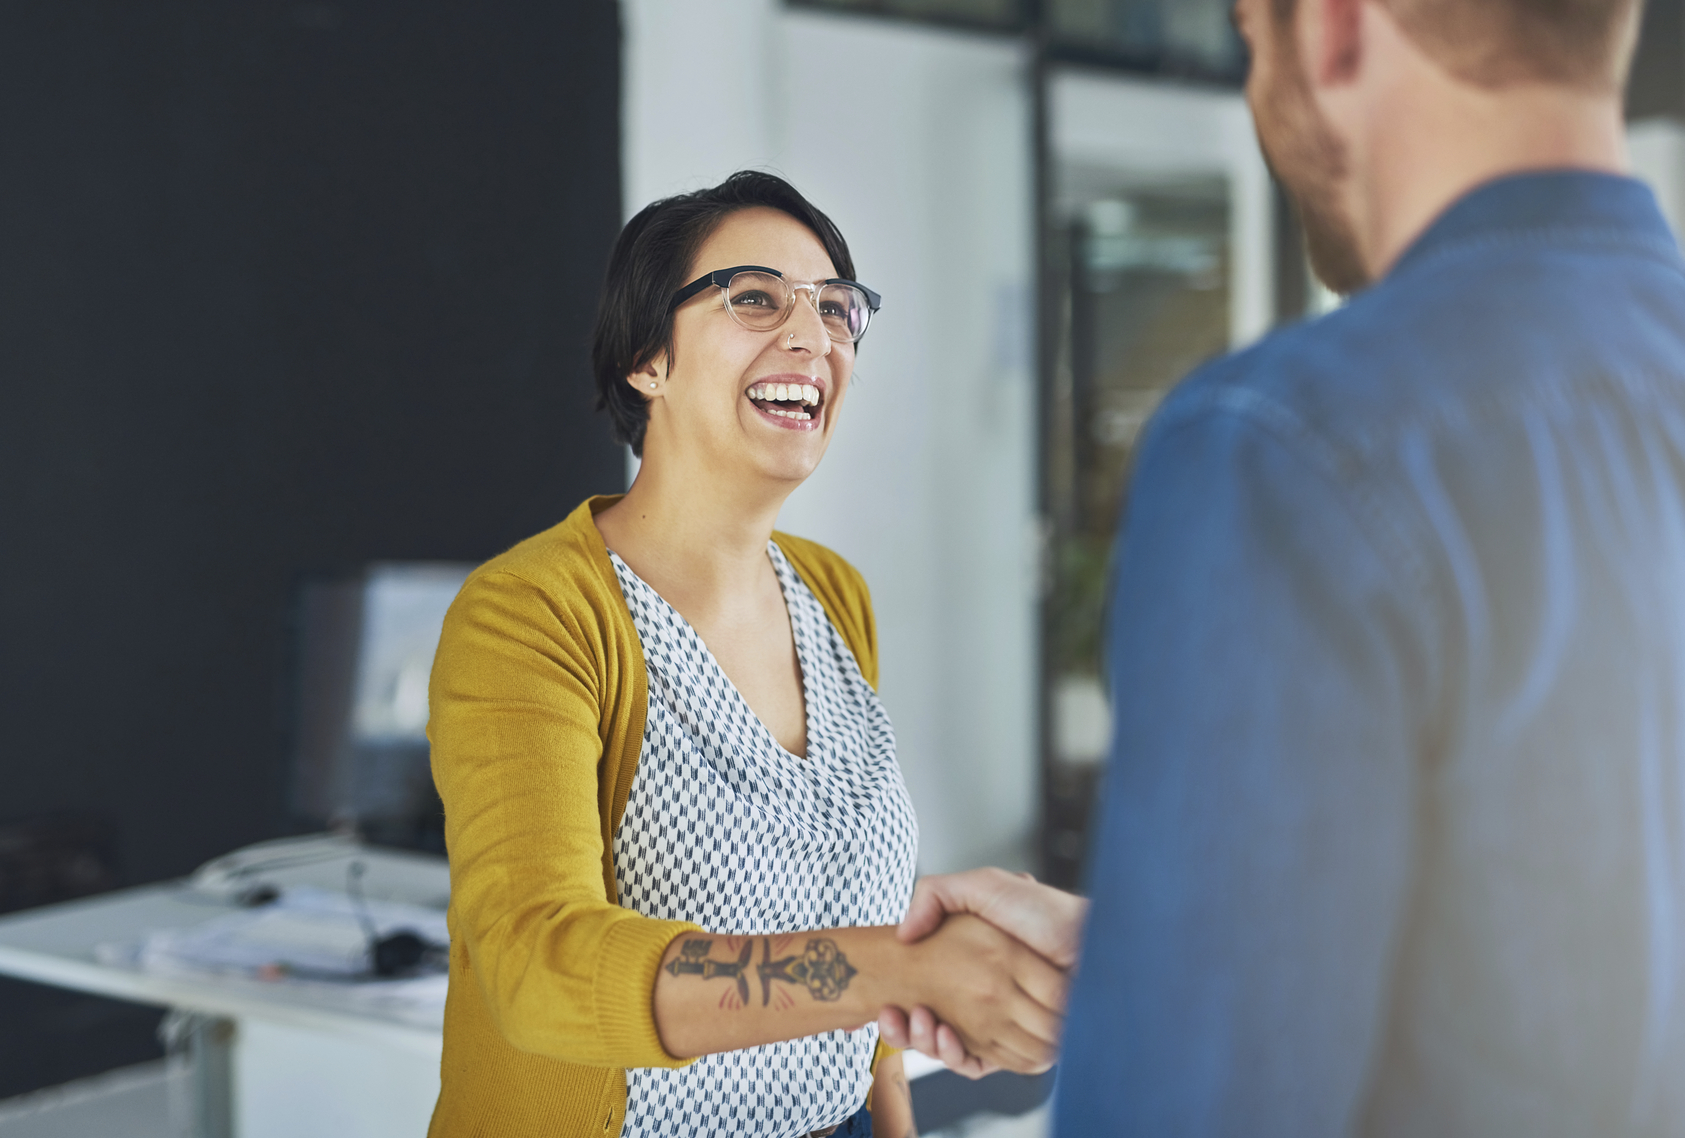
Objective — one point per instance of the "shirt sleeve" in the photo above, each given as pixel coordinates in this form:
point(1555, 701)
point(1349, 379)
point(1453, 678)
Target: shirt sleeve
point(514, 726)
point(1253, 851)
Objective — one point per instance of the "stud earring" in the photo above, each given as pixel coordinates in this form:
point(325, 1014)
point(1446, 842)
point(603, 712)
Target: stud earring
point(652, 384)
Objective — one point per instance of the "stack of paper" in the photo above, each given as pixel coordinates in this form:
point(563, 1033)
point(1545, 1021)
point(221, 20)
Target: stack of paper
point(310, 941)
point(308, 933)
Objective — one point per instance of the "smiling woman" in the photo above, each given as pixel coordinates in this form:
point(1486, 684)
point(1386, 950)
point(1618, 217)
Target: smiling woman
point(679, 836)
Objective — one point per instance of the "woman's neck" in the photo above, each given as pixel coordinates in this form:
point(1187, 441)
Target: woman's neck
point(698, 541)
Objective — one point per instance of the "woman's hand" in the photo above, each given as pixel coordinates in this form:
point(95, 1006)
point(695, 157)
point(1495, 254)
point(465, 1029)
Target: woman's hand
point(1004, 1001)
point(1048, 920)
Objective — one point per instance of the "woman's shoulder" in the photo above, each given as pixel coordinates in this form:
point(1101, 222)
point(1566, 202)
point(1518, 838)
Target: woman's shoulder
point(565, 567)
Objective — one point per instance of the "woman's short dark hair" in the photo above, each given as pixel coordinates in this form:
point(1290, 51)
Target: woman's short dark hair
point(651, 261)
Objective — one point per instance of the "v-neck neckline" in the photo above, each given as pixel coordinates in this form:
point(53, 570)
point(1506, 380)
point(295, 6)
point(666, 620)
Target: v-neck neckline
point(780, 567)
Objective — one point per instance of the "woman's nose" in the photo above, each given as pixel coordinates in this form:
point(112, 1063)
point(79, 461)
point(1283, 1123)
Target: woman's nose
point(805, 330)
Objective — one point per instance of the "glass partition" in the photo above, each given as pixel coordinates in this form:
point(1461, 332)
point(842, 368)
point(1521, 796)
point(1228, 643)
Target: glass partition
point(1183, 37)
point(1145, 297)
point(1004, 14)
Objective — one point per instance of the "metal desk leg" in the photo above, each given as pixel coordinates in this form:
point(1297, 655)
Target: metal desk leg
point(199, 1051)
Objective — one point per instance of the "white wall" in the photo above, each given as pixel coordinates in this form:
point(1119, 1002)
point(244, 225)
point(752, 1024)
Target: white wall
point(929, 485)
point(1656, 148)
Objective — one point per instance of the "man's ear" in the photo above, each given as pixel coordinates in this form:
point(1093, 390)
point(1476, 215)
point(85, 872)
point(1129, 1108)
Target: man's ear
point(1332, 39)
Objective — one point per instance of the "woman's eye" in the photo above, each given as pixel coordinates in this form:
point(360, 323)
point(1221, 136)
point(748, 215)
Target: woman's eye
point(755, 299)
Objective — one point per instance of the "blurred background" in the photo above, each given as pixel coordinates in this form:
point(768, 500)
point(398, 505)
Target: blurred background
point(294, 300)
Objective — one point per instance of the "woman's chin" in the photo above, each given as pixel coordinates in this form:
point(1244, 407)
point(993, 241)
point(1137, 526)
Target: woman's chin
point(791, 462)
point(785, 455)
point(791, 471)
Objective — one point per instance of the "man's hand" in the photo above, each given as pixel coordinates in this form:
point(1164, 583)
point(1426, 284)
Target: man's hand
point(1045, 919)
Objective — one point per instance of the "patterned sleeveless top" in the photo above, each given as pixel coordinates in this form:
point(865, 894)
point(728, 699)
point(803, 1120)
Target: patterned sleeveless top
point(727, 829)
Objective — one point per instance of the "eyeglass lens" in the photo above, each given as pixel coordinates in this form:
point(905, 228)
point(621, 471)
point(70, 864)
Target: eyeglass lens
point(762, 301)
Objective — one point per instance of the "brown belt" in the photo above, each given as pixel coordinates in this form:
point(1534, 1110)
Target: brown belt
point(825, 1133)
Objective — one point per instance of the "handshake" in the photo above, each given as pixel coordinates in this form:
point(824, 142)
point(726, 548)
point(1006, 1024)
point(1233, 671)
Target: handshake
point(1021, 939)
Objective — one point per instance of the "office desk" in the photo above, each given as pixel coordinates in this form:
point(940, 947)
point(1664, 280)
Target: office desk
point(299, 1063)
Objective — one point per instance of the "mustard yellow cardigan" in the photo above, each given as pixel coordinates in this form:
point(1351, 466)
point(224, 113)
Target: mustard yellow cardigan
point(538, 698)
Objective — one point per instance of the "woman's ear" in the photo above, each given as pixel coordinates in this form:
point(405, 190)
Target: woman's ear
point(648, 380)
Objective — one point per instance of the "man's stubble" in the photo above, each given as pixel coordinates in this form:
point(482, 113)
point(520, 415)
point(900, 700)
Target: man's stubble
point(1309, 161)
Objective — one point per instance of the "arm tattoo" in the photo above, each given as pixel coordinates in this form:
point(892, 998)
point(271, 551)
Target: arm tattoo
point(693, 961)
point(822, 969)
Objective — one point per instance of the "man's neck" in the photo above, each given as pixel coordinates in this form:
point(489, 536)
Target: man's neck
point(1429, 139)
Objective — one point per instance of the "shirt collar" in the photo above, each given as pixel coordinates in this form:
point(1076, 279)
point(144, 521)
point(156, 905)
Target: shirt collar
point(1618, 210)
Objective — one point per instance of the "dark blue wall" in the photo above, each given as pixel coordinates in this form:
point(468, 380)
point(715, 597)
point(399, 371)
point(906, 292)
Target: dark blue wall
point(284, 288)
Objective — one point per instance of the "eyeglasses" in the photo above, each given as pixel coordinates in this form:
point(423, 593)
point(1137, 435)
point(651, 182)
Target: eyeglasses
point(760, 298)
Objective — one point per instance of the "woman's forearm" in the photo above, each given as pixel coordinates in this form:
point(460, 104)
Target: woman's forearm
point(720, 993)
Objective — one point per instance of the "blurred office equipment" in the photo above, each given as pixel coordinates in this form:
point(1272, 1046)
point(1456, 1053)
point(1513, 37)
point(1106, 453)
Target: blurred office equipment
point(365, 652)
point(262, 1058)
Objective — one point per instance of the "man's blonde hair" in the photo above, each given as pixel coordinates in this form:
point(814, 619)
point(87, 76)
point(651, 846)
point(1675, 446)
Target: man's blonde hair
point(1586, 44)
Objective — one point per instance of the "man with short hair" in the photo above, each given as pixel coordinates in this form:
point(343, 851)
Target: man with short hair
point(1393, 833)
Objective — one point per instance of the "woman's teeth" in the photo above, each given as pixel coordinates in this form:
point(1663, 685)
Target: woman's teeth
point(799, 394)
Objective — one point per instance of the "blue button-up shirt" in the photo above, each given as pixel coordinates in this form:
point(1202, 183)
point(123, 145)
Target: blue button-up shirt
point(1393, 834)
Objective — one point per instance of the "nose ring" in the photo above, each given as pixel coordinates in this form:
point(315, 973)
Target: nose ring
point(790, 342)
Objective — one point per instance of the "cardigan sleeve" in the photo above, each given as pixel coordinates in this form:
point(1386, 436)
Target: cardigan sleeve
point(517, 738)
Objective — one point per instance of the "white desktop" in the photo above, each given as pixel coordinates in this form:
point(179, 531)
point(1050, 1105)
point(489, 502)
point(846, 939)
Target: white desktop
point(302, 1058)
point(285, 1057)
